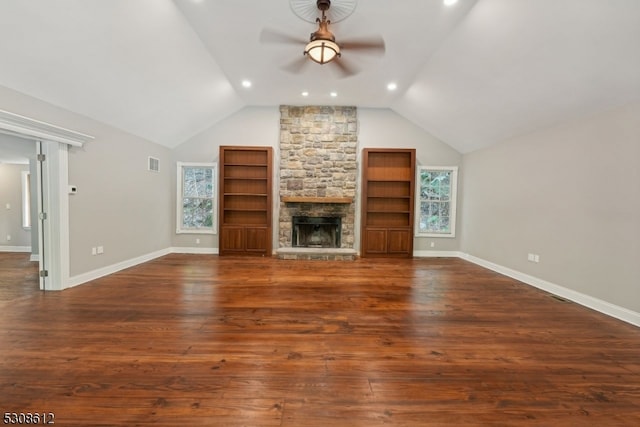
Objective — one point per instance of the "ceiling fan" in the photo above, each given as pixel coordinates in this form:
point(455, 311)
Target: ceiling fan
point(322, 47)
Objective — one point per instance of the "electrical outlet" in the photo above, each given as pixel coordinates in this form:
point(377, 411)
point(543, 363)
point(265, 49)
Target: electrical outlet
point(8, 205)
point(530, 257)
point(197, 241)
point(536, 258)
point(94, 251)
point(433, 244)
point(8, 237)
point(100, 250)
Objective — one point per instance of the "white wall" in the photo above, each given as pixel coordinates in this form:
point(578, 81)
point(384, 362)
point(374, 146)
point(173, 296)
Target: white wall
point(571, 194)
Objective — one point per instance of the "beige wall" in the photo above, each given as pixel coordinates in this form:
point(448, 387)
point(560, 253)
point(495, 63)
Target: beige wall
point(249, 126)
point(381, 128)
point(261, 126)
point(11, 219)
point(571, 194)
point(15, 150)
point(119, 205)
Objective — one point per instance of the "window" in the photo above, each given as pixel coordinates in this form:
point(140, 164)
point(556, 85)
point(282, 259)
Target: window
point(196, 201)
point(436, 201)
point(26, 200)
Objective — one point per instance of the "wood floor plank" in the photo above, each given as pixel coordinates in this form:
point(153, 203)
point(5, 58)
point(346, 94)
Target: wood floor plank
point(203, 340)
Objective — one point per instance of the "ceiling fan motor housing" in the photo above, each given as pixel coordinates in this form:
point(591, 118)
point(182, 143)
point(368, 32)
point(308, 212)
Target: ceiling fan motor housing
point(323, 4)
point(323, 33)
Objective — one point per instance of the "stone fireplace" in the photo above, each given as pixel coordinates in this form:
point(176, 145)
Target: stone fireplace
point(318, 173)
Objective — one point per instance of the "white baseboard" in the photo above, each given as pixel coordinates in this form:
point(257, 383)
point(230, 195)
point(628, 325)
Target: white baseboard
point(110, 269)
point(437, 254)
point(194, 250)
point(15, 248)
point(599, 305)
point(114, 268)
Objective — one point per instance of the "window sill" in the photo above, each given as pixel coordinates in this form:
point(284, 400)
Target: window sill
point(201, 231)
point(435, 235)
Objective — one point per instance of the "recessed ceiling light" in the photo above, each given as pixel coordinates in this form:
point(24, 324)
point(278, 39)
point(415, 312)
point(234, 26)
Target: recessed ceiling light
point(246, 83)
point(305, 93)
point(450, 2)
point(392, 86)
point(334, 94)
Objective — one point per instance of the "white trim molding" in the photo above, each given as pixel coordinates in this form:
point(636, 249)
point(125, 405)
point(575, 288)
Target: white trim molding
point(437, 254)
point(56, 206)
point(593, 303)
point(15, 248)
point(195, 250)
point(114, 268)
point(17, 125)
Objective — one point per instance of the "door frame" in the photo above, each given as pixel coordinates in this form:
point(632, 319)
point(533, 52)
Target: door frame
point(54, 233)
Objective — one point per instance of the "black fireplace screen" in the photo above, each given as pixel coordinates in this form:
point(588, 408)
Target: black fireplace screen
point(316, 232)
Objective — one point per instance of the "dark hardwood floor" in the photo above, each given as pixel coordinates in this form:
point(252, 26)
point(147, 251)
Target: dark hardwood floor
point(18, 276)
point(204, 340)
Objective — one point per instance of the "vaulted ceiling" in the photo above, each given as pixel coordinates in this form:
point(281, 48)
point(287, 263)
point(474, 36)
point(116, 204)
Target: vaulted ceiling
point(472, 74)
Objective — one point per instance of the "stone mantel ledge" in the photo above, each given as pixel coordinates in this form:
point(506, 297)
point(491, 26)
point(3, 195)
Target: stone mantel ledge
point(302, 199)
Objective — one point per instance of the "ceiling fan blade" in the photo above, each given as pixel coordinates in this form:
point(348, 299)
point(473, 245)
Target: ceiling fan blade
point(373, 45)
point(272, 36)
point(296, 66)
point(345, 68)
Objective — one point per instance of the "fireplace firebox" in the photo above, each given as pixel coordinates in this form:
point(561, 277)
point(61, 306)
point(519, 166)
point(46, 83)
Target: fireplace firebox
point(316, 232)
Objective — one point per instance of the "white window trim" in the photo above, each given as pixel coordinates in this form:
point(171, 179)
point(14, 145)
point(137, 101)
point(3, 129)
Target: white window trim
point(453, 201)
point(214, 226)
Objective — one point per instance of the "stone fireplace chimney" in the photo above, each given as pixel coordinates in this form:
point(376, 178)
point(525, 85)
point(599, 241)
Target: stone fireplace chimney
point(318, 170)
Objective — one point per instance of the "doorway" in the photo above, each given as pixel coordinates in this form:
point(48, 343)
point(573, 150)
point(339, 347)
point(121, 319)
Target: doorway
point(53, 199)
point(20, 249)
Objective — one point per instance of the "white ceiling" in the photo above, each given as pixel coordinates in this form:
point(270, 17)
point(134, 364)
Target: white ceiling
point(472, 74)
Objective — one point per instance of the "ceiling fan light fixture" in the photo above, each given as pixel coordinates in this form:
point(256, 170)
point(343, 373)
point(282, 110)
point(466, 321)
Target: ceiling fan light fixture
point(322, 51)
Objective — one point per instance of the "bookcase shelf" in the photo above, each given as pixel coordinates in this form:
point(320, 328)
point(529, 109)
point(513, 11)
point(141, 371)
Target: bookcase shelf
point(245, 200)
point(388, 180)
